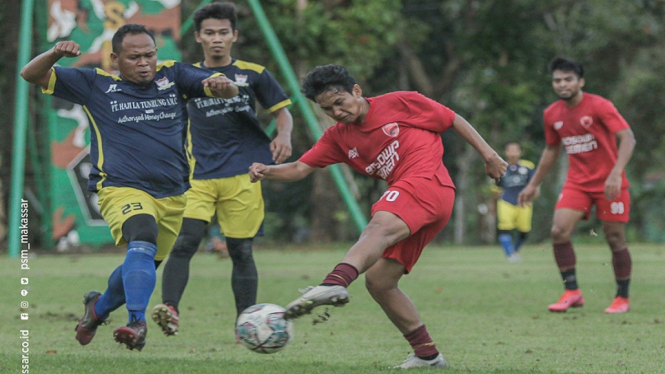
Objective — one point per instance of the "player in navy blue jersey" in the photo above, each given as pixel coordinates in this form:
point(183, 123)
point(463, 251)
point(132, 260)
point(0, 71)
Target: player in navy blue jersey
point(510, 215)
point(140, 172)
point(225, 139)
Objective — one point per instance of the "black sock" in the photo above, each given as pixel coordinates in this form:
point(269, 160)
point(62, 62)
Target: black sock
point(569, 279)
point(430, 357)
point(622, 287)
point(244, 278)
point(176, 269)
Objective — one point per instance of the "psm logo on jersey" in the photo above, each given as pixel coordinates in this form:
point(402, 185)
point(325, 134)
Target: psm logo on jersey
point(241, 78)
point(558, 125)
point(353, 153)
point(391, 129)
point(113, 88)
point(586, 121)
point(163, 83)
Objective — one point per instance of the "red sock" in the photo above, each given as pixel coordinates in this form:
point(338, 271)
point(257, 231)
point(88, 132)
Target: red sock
point(564, 254)
point(421, 342)
point(622, 263)
point(342, 275)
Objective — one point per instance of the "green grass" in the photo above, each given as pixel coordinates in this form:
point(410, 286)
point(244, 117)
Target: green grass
point(485, 314)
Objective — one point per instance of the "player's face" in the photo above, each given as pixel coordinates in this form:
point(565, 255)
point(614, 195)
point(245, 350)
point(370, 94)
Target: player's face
point(342, 106)
point(137, 59)
point(513, 153)
point(216, 37)
point(566, 84)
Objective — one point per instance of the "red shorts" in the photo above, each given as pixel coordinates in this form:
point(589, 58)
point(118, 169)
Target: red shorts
point(617, 210)
point(425, 205)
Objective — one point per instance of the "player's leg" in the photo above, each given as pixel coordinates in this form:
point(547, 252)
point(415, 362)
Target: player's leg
point(614, 214)
point(505, 213)
point(564, 222)
point(382, 231)
point(176, 269)
point(523, 225)
point(381, 281)
point(200, 207)
point(240, 211)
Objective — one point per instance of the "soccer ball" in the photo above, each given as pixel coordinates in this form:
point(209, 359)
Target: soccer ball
point(262, 328)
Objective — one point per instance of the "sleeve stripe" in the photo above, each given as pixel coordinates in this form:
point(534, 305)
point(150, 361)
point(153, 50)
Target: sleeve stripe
point(51, 83)
point(280, 105)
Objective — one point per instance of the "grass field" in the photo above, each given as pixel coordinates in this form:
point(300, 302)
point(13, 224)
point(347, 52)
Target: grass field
point(485, 314)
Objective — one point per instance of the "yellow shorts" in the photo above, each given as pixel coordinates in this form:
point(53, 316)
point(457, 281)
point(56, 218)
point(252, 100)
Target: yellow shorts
point(237, 202)
point(117, 204)
point(513, 216)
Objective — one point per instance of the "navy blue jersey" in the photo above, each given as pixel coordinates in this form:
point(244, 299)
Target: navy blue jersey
point(517, 176)
point(137, 133)
point(226, 137)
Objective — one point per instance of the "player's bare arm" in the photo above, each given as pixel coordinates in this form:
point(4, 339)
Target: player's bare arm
point(290, 172)
point(532, 190)
point(495, 166)
point(626, 147)
point(38, 70)
point(221, 86)
point(281, 146)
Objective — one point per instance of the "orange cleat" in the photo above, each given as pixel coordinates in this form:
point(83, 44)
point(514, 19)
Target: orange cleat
point(619, 305)
point(570, 298)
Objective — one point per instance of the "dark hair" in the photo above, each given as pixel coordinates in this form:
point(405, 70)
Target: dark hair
point(327, 78)
point(225, 10)
point(128, 29)
point(567, 64)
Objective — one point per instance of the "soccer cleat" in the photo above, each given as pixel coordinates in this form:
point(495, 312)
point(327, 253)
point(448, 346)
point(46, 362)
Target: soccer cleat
point(167, 318)
point(570, 298)
point(619, 305)
point(316, 296)
point(515, 257)
point(413, 361)
point(87, 326)
point(133, 335)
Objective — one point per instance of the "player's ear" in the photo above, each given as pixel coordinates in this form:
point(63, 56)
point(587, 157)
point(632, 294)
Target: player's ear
point(197, 36)
point(582, 81)
point(114, 59)
point(357, 92)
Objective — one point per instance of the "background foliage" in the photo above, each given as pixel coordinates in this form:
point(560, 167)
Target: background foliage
point(487, 60)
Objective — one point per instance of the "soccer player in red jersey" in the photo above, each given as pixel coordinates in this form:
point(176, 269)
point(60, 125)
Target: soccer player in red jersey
point(587, 125)
point(394, 137)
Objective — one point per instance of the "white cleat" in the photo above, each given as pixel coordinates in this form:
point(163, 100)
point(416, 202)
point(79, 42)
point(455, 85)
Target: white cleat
point(413, 361)
point(314, 296)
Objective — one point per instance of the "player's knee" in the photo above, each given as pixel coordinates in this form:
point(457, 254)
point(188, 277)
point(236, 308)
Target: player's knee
point(142, 227)
point(559, 234)
point(378, 287)
point(188, 241)
point(240, 249)
point(615, 240)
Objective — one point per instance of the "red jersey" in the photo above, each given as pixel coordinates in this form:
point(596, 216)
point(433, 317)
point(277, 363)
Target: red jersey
point(398, 139)
point(587, 133)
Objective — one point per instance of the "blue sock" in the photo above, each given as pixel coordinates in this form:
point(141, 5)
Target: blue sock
point(113, 297)
point(139, 277)
point(506, 241)
point(518, 243)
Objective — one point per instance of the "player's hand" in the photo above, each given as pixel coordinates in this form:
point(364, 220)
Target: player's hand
point(67, 48)
point(257, 171)
point(613, 186)
point(221, 86)
point(495, 167)
point(527, 195)
point(281, 148)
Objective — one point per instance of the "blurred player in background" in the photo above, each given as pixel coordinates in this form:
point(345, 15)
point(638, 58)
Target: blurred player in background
point(139, 164)
point(394, 137)
point(225, 138)
point(510, 215)
point(588, 126)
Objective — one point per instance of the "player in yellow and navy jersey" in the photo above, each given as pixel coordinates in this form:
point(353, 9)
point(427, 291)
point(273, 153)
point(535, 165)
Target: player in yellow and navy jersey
point(225, 139)
point(510, 215)
point(140, 171)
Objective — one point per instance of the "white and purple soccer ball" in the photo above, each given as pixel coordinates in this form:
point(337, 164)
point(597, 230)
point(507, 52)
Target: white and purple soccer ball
point(262, 328)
